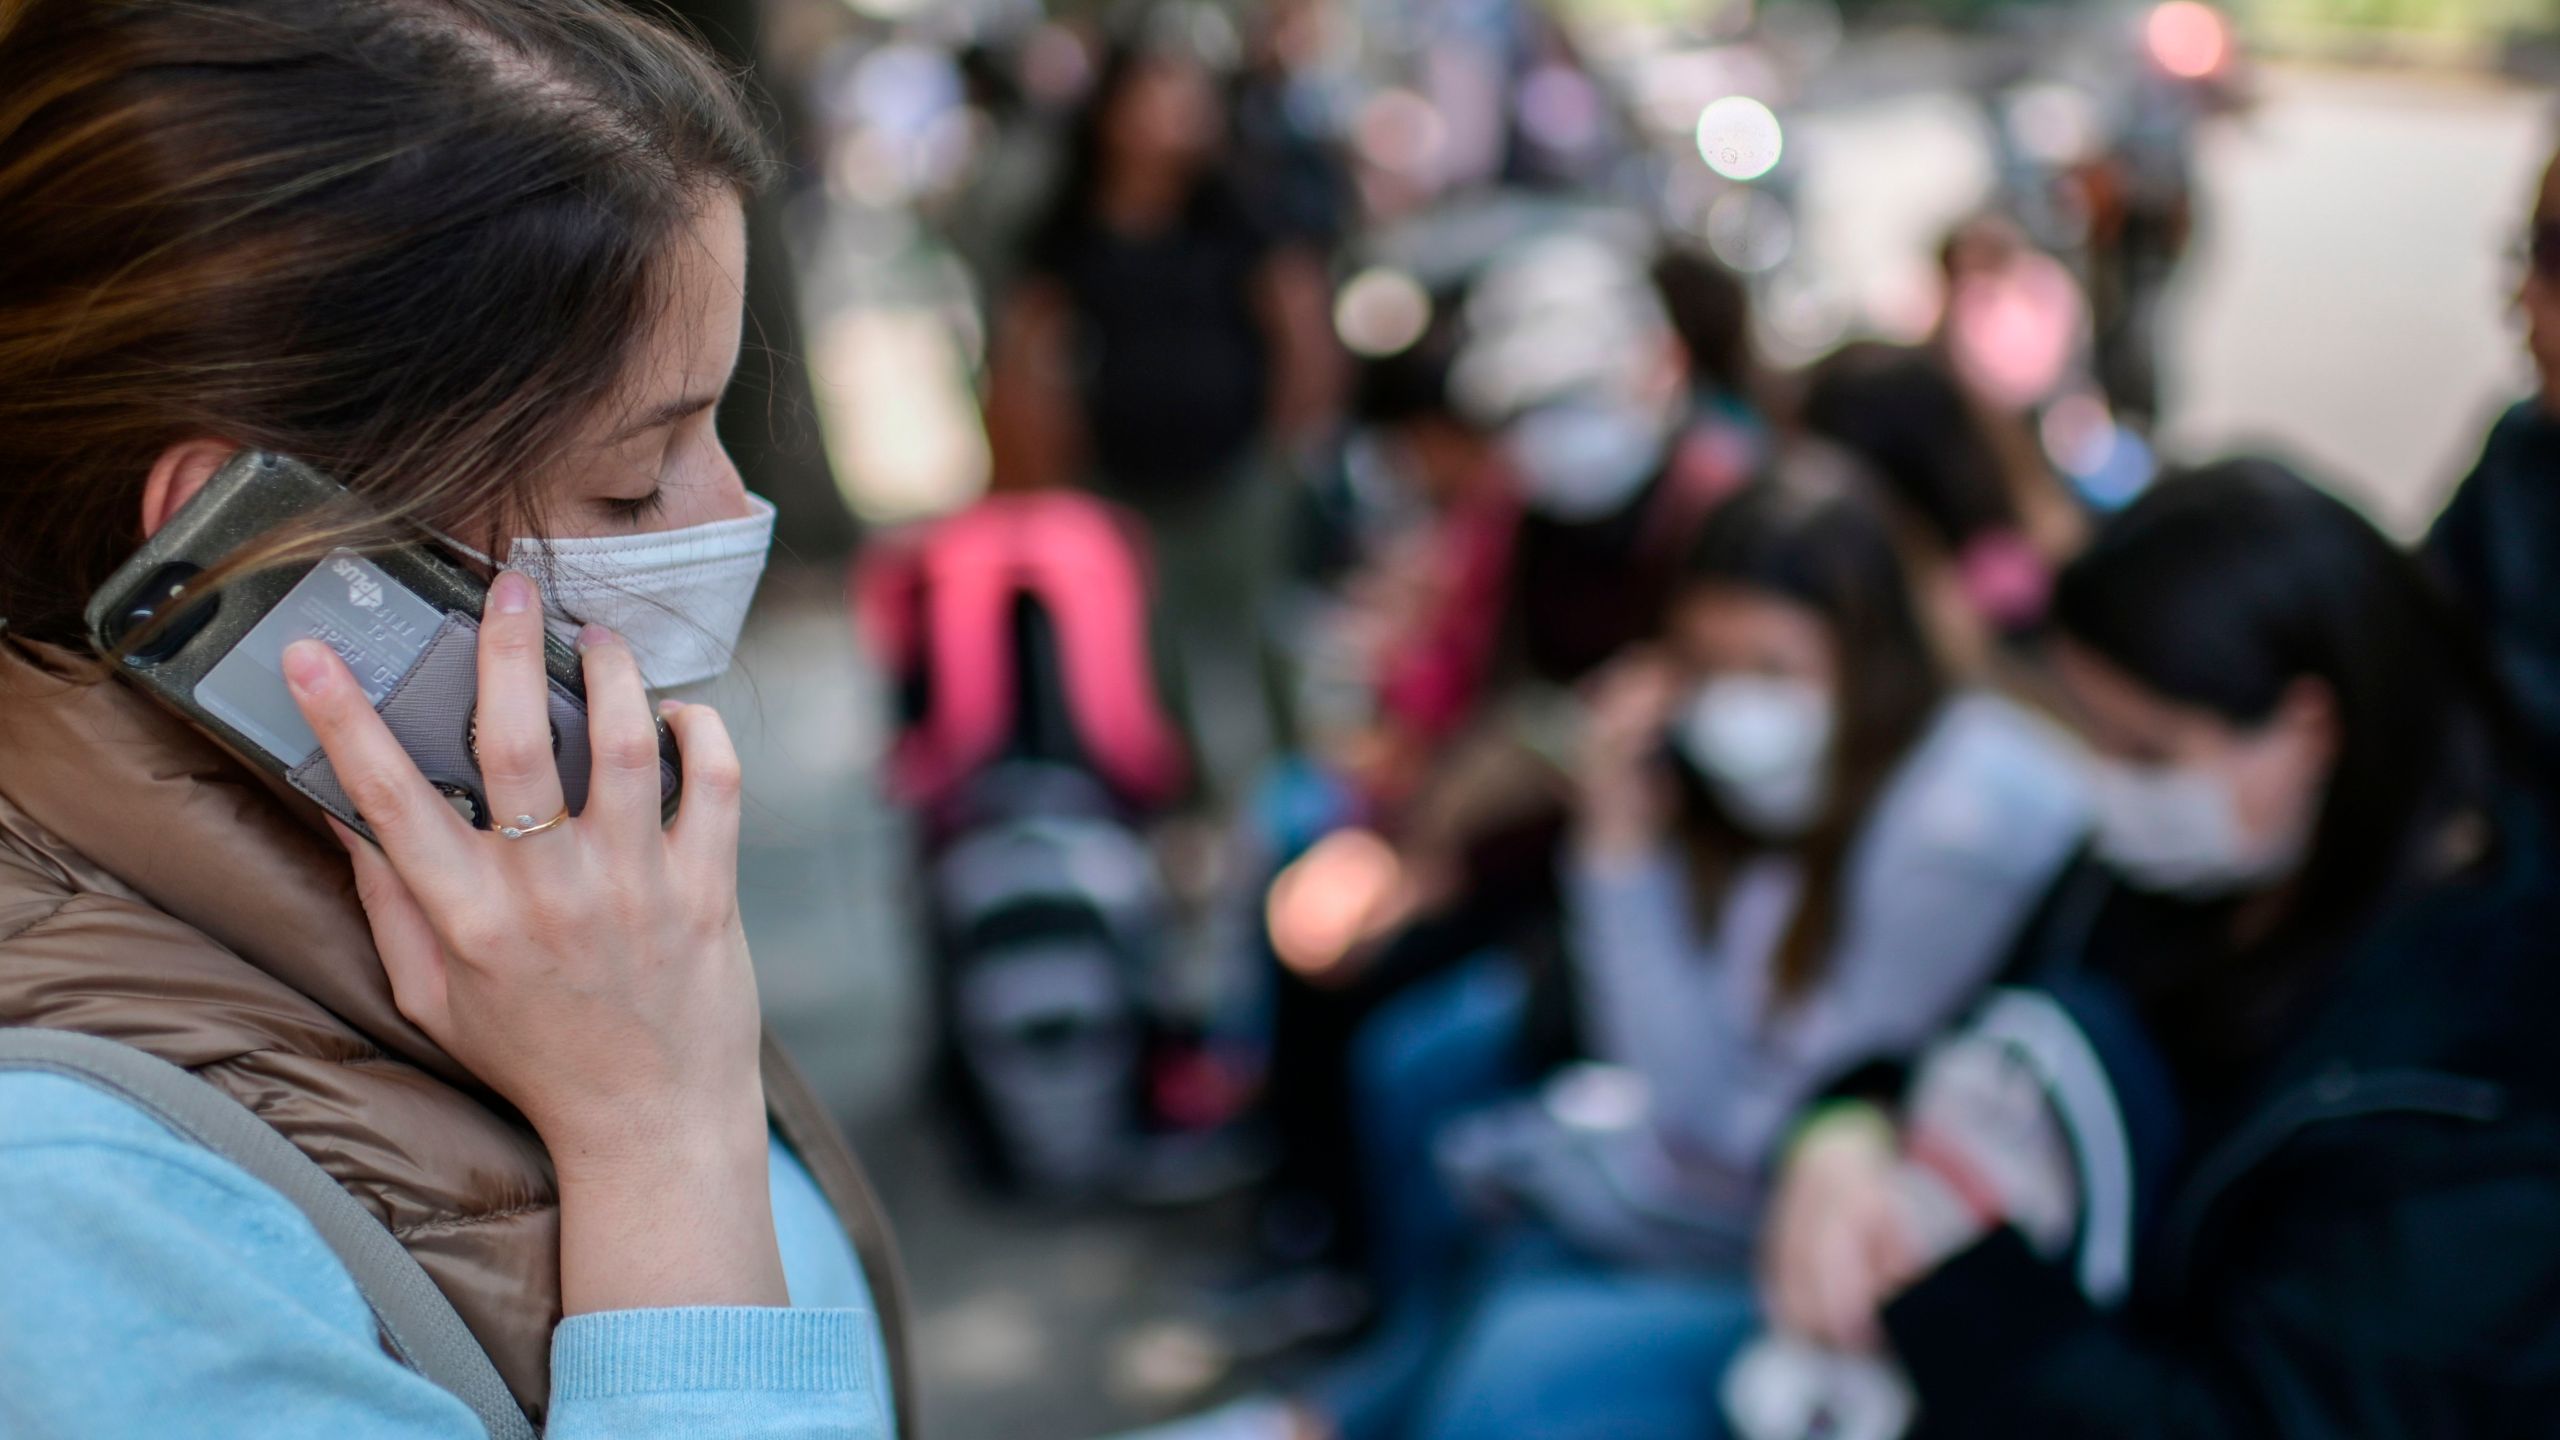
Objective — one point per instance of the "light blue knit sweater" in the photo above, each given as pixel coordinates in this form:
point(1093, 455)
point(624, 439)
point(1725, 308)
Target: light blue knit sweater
point(150, 1290)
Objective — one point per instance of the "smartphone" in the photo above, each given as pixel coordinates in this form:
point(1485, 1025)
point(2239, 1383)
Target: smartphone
point(405, 618)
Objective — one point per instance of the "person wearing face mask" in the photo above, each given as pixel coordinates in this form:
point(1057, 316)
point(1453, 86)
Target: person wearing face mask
point(1573, 362)
point(2319, 914)
point(505, 1148)
point(1799, 846)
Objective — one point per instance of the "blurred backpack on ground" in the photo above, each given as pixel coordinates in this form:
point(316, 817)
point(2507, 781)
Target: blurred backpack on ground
point(1033, 743)
point(1018, 629)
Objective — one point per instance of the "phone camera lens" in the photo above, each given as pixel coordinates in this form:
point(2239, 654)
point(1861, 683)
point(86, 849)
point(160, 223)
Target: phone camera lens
point(160, 594)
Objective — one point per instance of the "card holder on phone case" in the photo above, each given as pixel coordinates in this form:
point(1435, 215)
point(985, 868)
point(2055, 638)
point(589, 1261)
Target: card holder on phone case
point(429, 713)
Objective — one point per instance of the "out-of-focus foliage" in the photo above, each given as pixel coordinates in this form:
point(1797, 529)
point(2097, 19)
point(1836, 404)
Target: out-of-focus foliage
point(2485, 18)
point(2476, 19)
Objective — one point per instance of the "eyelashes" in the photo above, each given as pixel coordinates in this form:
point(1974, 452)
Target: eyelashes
point(672, 457)
point(637, 508)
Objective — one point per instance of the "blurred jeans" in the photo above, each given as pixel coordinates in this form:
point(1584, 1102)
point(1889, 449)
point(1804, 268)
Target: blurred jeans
point(1562, 1355)
point(1441, 1049)
point(1507, 1332)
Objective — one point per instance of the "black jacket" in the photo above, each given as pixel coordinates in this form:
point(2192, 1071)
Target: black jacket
point(2364, 1241)
point(2497, 548)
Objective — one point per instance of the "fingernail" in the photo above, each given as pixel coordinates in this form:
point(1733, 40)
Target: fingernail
point(511, 593)
point(590, 636)
point(669, 707)
point(306, 667)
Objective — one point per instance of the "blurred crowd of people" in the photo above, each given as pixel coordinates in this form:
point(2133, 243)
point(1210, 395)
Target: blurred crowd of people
point(1741, 900)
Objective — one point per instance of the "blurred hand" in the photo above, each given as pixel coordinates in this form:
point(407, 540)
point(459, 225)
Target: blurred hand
point(1625, 799)
point(595, 974)
point(1837, 1246)
point(1326, 908)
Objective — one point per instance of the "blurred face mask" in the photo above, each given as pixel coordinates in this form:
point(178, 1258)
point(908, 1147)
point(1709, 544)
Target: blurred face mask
point(1584, 459)
point(2176, 830)
point(678, 598)
point(1764, 745)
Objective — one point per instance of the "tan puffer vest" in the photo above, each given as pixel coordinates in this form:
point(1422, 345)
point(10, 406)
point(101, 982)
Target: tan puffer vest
point(155, 891)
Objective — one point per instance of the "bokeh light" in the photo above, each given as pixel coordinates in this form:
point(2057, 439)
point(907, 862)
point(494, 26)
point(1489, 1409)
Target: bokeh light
point(1740, 138)
point(2190, 39)
point(1402, 132)
point(1380, 312)
point(1560, 110)
point(1749, 231)
point(2054, 123)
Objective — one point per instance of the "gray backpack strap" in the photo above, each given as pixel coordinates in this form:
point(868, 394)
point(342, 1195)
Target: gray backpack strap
point(417, 1321)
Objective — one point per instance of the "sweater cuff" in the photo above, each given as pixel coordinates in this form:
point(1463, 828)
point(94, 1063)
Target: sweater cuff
point(1976, 1322)
point(706, 1348)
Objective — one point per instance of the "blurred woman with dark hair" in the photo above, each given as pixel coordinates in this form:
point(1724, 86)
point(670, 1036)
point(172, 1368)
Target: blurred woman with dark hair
point(2316, 941)
point(1975, 491)
point(1798, 848)
point(482, 263)
point(1791, 818)
point(1168, 349)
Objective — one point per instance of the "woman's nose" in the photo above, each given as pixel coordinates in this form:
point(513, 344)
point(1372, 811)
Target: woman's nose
point(728, 491)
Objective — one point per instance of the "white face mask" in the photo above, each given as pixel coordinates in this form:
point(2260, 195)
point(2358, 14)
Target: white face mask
point(678, 598)
point(2175, 830)
point(1764, 744)
point(1585, 459)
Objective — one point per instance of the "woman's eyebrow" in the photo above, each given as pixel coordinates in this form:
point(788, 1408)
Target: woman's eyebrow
point(667, 414)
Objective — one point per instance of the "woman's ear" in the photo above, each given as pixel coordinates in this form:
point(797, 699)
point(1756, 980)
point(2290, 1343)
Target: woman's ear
point(177, 475)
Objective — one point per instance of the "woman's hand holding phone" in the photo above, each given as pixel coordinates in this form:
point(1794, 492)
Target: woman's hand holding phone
point(595, 972)
point(1625, 798)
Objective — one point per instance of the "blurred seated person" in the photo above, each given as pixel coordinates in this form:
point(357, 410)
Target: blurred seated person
point(1423, 617)
point(2014, 329)
point(2497, 544)
point(1797, 846)
point(1164, 348)
point(1710, 311)
point(1799, 842)
point(1544, 422)
point(2318, 934)
point(1976, 494)
point(2012, 323)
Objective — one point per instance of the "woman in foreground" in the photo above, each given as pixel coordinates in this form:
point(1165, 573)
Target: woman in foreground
point(481, 261)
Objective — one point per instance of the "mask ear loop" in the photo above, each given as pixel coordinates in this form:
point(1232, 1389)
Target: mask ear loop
point(454, 543)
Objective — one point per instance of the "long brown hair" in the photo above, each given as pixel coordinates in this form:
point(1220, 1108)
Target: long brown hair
point(413, 242)
point(1814, 535)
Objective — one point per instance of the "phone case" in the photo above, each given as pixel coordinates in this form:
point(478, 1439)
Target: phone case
point(429, 709)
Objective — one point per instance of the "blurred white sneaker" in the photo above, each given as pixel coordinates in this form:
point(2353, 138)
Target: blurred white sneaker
point(1785, 1388)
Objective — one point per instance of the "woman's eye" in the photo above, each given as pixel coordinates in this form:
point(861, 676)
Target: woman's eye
point(638, 507)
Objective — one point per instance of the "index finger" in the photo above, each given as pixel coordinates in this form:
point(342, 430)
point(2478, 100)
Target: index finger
point(426, 842)
point(1783, 1287)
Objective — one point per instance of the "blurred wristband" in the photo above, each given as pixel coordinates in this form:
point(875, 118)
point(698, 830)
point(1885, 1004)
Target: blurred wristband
point(1984, 1144)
